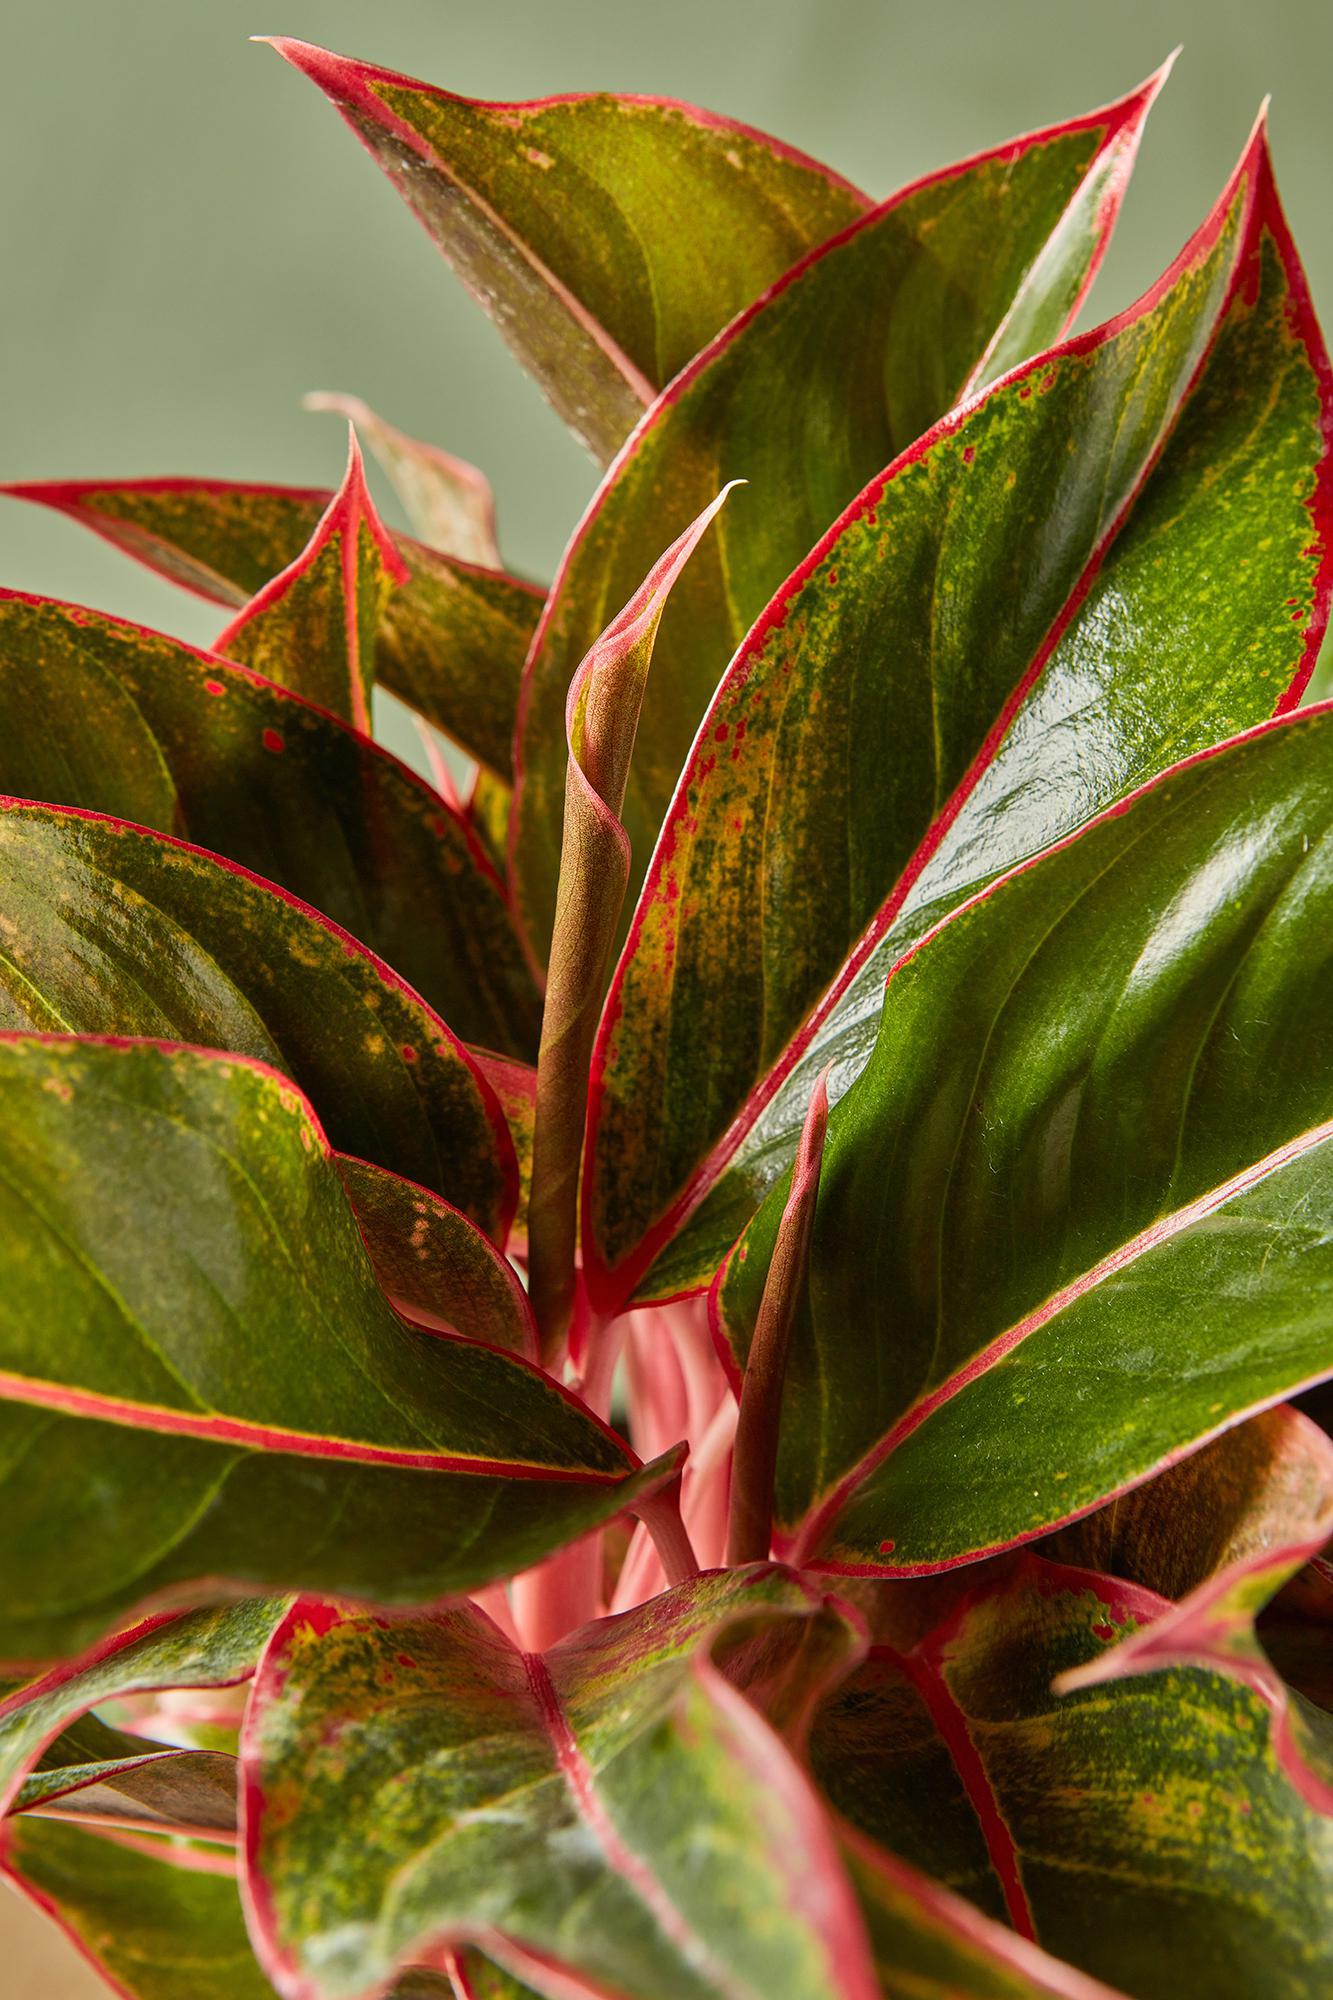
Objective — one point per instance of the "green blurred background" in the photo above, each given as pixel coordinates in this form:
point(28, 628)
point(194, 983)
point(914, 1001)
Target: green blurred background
point(190, 238)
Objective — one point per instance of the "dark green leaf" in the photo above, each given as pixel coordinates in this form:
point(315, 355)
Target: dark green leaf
point(807, 395)
point(241, 766)
point(453, 639)
point(207, 1381)
point(1027, 616)
point(1091, 1216)
point(108, 929)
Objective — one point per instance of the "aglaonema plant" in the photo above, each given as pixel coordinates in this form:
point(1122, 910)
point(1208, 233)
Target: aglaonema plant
point(686, 1369)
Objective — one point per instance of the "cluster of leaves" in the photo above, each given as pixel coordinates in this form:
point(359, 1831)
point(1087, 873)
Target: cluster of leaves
point(405, 1190)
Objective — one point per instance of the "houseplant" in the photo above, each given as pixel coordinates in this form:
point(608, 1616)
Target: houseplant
point(869, 1549)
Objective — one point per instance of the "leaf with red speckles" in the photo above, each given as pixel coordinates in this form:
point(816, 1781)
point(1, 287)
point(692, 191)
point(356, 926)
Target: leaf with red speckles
point(1094, 1221)
point(242, 766)
point(313, 627)
point(158, 1921)
point(1149, 507)
point(448, 502)
point(1143, 1831)
point(630, 1770)
point(203, 1379)
point(807, 395)
point(451, 642)
point(1273, 1482)
point(435, 1264)
point(608, 237)
point(119, 931)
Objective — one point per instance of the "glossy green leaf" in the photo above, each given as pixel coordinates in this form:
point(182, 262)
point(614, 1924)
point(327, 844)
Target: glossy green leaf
point(1144, 1832)
point(197, 1649)
point(1030, 613)
point(313, 627)
point(206, 1380)
point(1092, 1214)
point(434, 1263)
point(241, 766)
point(589, 226)
point(1274, 1479)
point(448, 502)
point(616, 1806)
point(159, 1923)
point(807, 395)
point(108, 929)
point(453, 638)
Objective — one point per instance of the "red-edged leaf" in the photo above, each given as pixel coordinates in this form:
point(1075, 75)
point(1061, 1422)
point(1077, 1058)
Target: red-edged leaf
point(601, 723)
point(101, 1777)
point(204, 1379)
point(449, 502)
point(198, 1649)
point(434, 1262)
point(1143, 1830)
point(1150, 496)
point(157, 1920)
point(1091, 1212)
point(807, 394)
point(313, 627)
point(117, 930)
point(453, 638)
point(589, 226)
point(108, 716)
point(1214, 1628)
point(515, 1086)
point(611, 1772)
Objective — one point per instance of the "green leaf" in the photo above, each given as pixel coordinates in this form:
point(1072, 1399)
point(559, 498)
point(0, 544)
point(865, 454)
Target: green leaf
point(435, 1264)
point(452, 641)
point(107, 1777)
point(208, 1383)
point(1119, 556)
point(616, 1807)
point(241, 766)
point(589, 226)
point(158, 1922)
point(1091, 1213)
point(928, 1942)
point(449, 503)
point(197, 1649)
point(1274, 1478)
point(807, 395)
point(313, 627)
point(108, 929)
point(1144, 1831)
